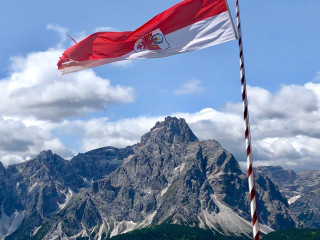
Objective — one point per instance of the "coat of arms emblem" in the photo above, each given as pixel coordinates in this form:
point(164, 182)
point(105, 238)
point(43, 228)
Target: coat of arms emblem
point(154, 40)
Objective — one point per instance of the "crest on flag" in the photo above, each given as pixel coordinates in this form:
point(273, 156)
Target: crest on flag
point(154, 40)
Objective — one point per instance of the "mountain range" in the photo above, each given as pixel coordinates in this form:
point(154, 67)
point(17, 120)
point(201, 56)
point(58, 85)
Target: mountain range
point(301, 189)
point(169, 177)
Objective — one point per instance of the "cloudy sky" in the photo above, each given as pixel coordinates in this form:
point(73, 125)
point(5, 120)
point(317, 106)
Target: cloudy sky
point(115, 104)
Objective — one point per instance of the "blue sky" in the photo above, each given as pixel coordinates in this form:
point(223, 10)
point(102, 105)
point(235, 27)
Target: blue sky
point(114, 104)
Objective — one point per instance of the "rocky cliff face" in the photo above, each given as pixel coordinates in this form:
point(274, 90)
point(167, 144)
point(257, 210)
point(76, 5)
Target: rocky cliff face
point(307, 206)
point(307, 209)
point(169, 177)
point(99, 163)
point(43, 186)
point(34, 191)
point(273, 207)
point(290, 183)
point(301, 190)
point(11, 207)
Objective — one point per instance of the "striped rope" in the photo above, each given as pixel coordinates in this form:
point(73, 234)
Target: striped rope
point(253, 199)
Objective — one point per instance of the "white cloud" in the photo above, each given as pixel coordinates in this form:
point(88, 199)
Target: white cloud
point(34, 88)
point(62, 31)
point(19, 142)
point(35, 101)
point(190, 87)
point(206, 124)
point(282, 133)
point(100, 132)
point(285, 126)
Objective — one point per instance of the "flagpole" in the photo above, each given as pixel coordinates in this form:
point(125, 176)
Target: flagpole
point(253, 199)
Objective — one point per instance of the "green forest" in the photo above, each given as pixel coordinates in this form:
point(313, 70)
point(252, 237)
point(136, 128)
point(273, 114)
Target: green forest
point(177, 232)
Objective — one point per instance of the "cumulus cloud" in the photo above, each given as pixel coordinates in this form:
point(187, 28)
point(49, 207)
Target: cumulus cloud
point(285, 127)
point(282, 134)
point(206, 124)
point(35, 100)
point(100, 132)
point(190, 87)
point(19, 142)
point(35, 88)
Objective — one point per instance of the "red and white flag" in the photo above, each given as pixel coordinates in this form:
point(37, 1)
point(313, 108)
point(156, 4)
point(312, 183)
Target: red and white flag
point(187, 26)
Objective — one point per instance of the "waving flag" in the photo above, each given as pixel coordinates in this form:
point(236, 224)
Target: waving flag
point(187, 26)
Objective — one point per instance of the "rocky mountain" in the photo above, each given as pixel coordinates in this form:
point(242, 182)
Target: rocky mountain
point(307, 209)
point(99, 163)
point(301, 189)
point(291, 184)
point(169, 177)
point(11, 209)
point(284, 179)
point(34, 191)
point(42, 187)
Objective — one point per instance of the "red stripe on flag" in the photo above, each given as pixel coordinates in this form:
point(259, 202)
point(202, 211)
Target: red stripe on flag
point(100, 45)
point(184, 14)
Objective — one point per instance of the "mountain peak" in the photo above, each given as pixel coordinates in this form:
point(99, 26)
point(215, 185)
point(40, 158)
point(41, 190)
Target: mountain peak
point(277, 174)
point(2, 170)
point(171, 130)
point(45, 154)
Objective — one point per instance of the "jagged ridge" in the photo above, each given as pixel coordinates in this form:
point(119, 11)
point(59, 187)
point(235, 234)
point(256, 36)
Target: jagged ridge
point(169, 177)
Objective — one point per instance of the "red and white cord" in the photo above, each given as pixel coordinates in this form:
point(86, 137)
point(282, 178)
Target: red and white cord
point(253, 199)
